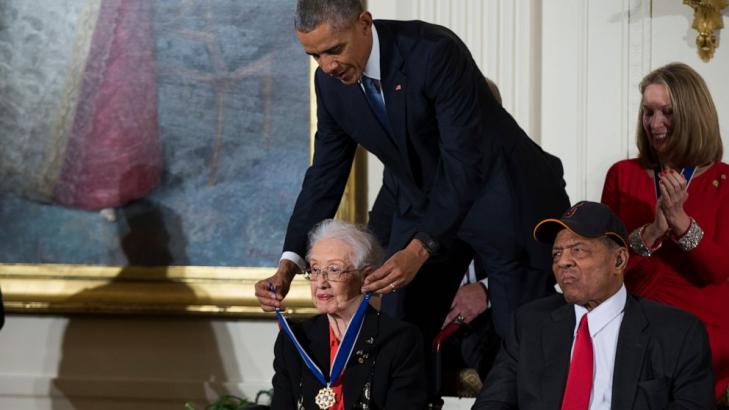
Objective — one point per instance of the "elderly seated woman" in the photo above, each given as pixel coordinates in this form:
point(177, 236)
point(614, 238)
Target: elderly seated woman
point(349, 356)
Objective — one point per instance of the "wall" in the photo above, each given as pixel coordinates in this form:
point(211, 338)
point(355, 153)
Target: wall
point(595, 54)
point(120, 362)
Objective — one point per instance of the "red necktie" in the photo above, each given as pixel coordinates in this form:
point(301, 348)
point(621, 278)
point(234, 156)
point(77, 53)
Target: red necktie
point(579, 380)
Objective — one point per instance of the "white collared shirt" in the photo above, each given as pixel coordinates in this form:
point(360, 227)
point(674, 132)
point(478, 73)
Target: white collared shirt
point(372, 68)
point(604, 323)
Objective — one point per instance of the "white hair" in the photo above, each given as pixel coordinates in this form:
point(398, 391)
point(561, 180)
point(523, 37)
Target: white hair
point(366, 251)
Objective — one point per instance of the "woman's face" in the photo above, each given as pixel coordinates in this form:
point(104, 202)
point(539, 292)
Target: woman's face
point(332, 293)
point(657, 116)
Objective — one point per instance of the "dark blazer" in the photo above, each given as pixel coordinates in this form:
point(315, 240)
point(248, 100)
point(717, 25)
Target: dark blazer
point(448, 130)
point(386, 365)
point(662, 360)
point(448, 136)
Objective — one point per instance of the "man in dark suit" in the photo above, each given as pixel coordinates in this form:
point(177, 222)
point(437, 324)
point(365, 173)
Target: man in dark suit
point(460, 176)
point(626, 353)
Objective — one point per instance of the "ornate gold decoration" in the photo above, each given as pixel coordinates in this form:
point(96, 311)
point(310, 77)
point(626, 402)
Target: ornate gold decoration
point(707, 20)
point(211, 290)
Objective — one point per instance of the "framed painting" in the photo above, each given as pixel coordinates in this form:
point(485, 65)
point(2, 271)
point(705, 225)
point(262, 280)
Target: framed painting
point(151, 155)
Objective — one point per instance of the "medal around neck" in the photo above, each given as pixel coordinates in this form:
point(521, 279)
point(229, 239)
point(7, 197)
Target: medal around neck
point(326, 398)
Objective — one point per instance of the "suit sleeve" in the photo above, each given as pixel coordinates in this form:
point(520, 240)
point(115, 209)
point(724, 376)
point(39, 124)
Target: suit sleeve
point(325, 179)
point(462, 104)
point(284, 397)
point(500, 387)
point(693, 387)
point(407, 384)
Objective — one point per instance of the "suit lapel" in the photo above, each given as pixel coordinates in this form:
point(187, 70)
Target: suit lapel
point(632, 342)
point(394, 87)
point(378, 140)
point(557, 345)
point(361, 362)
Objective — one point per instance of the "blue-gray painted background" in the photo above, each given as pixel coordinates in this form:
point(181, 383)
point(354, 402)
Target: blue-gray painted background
point(232, 114)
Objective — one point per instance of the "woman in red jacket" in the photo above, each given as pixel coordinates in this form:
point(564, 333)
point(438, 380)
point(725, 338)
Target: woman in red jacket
point(674, 199)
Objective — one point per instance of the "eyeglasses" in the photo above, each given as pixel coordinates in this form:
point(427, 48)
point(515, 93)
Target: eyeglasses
point(332, 273)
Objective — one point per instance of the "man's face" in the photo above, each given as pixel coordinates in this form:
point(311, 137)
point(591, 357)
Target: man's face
point(585, 268)
point(341, 53)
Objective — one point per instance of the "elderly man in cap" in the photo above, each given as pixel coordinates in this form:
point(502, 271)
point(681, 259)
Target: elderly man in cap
point(594, 346)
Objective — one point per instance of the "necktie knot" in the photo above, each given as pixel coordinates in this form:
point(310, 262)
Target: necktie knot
point(371, 82)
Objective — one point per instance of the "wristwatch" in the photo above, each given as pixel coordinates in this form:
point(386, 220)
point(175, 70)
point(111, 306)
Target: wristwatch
point(430, 244)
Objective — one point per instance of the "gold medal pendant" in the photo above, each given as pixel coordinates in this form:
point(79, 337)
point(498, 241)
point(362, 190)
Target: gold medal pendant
point(325, 398)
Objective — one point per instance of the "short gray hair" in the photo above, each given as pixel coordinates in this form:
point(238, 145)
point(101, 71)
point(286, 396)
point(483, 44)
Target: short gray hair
point(366, 251)
point(338, 13)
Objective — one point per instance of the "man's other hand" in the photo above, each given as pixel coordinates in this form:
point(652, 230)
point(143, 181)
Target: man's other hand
point(397, 271)
point(471, 300)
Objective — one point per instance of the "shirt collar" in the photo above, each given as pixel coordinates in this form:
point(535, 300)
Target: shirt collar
point(605, 312)
point(372, 68)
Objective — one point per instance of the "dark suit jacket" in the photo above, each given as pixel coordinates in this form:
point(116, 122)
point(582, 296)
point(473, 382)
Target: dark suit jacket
point(662, 360)
point(448, 130)
point(386, 365)
point(448, 134)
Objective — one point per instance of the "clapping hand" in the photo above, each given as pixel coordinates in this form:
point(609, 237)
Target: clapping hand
point(674, 194)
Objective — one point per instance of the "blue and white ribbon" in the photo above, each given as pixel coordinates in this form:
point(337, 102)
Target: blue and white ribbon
point(346, 347)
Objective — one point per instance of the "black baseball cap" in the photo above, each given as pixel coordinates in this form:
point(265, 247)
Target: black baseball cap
point(585, 218)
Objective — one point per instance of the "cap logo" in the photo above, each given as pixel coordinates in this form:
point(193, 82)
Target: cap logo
point(572, 210)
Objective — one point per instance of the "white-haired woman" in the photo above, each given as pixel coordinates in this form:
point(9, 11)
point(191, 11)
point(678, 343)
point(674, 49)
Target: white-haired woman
point(350, 356)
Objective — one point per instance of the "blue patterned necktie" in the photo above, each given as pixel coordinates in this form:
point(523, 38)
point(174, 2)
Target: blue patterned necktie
point(377, 102)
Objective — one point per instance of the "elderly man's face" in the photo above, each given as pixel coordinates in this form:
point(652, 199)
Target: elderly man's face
point(330, 295)
point(585, 268)
point(341, 53)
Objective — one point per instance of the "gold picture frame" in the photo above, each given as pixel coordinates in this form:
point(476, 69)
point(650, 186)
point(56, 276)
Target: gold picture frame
point(193, 290)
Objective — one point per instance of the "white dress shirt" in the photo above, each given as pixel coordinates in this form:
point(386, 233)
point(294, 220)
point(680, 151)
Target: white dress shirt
point(604, 323)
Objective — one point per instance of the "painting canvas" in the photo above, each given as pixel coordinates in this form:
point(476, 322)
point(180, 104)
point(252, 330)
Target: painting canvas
point(178, 116)
point(149, 133)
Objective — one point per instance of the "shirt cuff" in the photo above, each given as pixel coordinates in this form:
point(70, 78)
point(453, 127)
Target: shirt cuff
point(295, 258)
point(485, 283)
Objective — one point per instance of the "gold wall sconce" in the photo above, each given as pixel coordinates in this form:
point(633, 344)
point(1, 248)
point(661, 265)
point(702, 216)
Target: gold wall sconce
point(707, 21)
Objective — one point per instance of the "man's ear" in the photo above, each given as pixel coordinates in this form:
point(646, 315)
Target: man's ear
point(621, 258)
point(365, 20)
